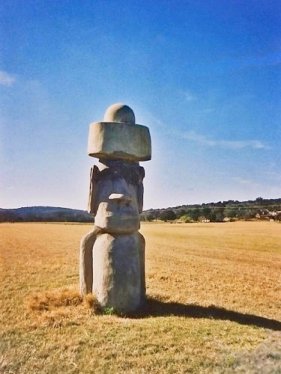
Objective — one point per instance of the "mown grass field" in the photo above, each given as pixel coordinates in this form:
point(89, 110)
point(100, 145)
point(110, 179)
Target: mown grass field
point(214, 302)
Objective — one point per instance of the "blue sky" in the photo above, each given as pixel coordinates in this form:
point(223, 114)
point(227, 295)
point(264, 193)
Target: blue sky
point(205, 76)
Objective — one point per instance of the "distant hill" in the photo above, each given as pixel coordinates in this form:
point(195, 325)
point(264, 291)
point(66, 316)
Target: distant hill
point(44, 214)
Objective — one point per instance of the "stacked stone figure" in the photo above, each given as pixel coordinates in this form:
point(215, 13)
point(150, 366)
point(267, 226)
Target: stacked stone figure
point(112, 255)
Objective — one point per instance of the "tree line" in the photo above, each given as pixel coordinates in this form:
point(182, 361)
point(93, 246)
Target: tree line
point(219, 212)
point(214, 212)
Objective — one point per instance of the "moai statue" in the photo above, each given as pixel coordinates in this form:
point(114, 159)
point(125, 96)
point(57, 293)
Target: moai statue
point(112, 263)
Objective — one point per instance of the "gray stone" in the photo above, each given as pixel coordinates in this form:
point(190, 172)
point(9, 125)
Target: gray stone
point(112, 256)
point(114, 140)
point(118, 137)
point(86, 261)
point(119, 113)
point(118, 278)
point(118, 185)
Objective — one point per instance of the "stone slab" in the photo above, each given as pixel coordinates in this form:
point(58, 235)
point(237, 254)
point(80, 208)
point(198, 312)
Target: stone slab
point(113, 140)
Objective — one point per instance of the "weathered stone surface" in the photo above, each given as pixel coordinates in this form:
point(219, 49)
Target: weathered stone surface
point(142, 266)
point(118, 278)
point(117, 211)
point(116, 185)
point(86, 261)
point(112, 256)
point(119, 113)
point(114, 140)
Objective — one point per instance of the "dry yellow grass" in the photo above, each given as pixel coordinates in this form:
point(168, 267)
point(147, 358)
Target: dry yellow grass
point(53, 300)
point(214, 302)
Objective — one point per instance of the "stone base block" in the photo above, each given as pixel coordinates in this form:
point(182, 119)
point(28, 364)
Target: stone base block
point(118, 272)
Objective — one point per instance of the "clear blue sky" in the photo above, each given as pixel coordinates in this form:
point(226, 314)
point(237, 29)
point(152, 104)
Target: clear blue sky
point(205, 76)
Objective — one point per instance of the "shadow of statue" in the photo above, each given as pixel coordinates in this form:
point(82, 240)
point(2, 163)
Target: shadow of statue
point(156, 308)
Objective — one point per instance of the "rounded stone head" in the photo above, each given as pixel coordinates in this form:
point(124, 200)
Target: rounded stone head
point(119, 113)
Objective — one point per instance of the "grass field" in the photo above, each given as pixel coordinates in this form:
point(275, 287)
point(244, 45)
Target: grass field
point(214, 302)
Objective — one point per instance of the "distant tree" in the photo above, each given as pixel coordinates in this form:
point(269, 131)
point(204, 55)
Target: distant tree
point(147, 216)
point(230, 212)
point(206, 212)
point(185, 218)
point(240, 213)
point(167, 215)
point(250, 213)
point(194, 214)
point(150, 217)
point(180, 213)
point(259, 200)
point(217, 215)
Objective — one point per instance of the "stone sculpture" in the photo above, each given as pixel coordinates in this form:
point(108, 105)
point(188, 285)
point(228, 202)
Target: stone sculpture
point(112, 255)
